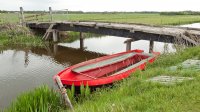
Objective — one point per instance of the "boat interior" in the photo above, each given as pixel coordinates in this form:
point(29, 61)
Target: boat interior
point(110, 66)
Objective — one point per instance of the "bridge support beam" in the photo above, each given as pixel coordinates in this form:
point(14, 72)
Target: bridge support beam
point(55, 49)
point(81, 41)
point(128, 44)
point(151, 45)
point(55, 35)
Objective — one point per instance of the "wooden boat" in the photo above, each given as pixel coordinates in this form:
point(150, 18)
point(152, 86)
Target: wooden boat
point(107, 69)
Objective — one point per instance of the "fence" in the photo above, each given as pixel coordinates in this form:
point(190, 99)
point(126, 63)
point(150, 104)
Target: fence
point(44, 16)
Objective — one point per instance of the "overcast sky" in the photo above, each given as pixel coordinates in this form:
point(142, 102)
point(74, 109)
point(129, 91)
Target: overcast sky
point(102, 5)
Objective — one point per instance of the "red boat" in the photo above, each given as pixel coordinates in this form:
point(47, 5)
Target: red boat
point(106, 69)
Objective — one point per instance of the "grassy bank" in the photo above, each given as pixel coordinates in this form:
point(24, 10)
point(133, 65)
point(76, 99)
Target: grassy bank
point(132, 94)
point(41, 99)
point(73, 36)
point(142, 18)
point(11, 34)
point(137, 94)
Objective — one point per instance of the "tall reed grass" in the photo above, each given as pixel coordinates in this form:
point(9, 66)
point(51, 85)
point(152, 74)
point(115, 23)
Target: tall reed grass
point(12, 34)
point(41, 99)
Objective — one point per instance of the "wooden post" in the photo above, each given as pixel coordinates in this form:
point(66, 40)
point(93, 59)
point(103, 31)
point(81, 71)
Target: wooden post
point(22, 21)
point(55, 49)
point(50, 13)
point(26, 58)
point(128, 44)
point(55, 36)
point(81, 41)
point(64, 94)
point(36, 17)
point(19, 16)
point(151, 45)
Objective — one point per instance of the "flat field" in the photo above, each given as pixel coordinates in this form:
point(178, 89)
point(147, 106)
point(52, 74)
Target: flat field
point(142, 18)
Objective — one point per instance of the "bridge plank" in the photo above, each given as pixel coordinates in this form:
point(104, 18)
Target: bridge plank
point(49, 30)
point(145, 32)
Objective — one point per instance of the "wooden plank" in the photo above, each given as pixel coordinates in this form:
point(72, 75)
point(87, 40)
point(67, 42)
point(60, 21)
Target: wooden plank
point(32, 16)
point(55, 36)
point(64, 93)
point(155, 33)
point(189, 40)
point(151, 45)
point(132, 28)
point(49, 30)
point(103, 63)
point(89, 24)
point(129, 40)
point(81, 41)
point(34, 19)
point(128, 43)
point(87, 75)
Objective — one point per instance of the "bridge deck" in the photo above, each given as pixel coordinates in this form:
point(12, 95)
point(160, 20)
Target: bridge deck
point(137, 31)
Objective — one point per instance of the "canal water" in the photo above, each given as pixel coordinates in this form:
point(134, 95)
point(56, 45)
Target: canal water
point(112, 44)
point(24, 68)
point(194, 25)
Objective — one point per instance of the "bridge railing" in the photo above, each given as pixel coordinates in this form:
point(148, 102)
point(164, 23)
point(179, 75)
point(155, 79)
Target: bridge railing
point(35, 17)
point(39, 17)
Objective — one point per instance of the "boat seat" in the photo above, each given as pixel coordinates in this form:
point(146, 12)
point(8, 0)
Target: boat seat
point(103, 63)
point(131, 67)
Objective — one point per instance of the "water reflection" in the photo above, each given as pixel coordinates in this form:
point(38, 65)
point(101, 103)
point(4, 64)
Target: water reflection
point(23, 69)
point(194, 25)
point(112, 44)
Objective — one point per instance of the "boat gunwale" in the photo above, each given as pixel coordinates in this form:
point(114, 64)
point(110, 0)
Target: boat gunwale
point(136, 64)
point(104, 65)
point(110, 78)
point(150, 55)
point(104, 58)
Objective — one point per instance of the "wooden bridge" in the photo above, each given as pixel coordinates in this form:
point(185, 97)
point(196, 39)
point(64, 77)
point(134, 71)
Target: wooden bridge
point(188, 36)
point(167, 34)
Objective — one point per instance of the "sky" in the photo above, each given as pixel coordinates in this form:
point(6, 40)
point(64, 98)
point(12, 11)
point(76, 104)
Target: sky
point(102, 5)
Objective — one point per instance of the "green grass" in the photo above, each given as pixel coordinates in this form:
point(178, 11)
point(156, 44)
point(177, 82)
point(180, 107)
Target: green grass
point(142, 18)
point(73, 36)
point(41, 99)
point(154, 19)
point(136, 94)
point(9, 18)
point(11, 34)
point(132, 94)
point(5, 40)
